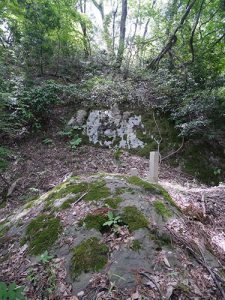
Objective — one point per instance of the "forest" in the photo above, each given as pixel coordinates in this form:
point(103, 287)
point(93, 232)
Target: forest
point(88, 88)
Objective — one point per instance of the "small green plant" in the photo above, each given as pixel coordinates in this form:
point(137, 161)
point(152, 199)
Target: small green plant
point(52, 281)
point(75, 142)
point(48, 141)
point(31, 276)
point(217, 171)
point(44, 257)
point(11, 291)
point(73, 134)
point(113, 221)
point(117, 154)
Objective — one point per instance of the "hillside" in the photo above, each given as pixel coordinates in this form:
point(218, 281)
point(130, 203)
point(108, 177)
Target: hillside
point(96, 96)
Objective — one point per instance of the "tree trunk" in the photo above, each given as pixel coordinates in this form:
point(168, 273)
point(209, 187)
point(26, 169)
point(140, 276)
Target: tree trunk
point(120, 52)
point(172, 40)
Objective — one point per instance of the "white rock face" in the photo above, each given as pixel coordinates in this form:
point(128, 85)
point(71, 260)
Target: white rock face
point(110, 127)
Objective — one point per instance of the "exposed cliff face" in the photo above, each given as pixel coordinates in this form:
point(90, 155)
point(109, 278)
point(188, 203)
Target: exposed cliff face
point(110, 231)
point(124, 129)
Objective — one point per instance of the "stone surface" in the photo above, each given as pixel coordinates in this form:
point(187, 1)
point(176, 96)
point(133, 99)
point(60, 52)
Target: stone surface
point(79, 119)
point(111, 127)
point(154, 166)
point(134, 172)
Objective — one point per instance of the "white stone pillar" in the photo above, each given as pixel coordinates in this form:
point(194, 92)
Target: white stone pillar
point(154, 166)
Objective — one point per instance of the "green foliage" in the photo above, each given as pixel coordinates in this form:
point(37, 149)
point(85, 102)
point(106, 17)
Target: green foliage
point(76, 141)
point(117, 154)
point(48, 141)
point(34, 104)
point(113, 221)
point(5, 154)
point(11, 291)
point(45, 280)
point(42, 232)
point(74, 134)
point(44, 257)
point(134, 218)
point(90, 255)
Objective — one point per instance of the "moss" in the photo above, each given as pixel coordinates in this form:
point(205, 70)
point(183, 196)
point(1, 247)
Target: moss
point(94, 221)
point(147, 186)
point(3, 204)
point(67, 204)
point(153, 188)
point(42, 232)
point(29, 204)
point(113, 202)
point(167, 197)
point(90, 255)
point(133, 218)
point(161, 209)
point(65, 189)
point(161, 238)
point(120, 191)
point(97, 190)
point(136, 245)
point(3, 228)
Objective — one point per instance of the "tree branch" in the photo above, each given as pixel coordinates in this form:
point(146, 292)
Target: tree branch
point(172, 40)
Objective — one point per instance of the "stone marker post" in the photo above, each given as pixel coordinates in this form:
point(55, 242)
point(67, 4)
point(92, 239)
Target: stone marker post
point(154, 166)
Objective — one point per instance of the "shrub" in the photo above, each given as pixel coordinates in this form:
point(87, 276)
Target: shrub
point(34, 103)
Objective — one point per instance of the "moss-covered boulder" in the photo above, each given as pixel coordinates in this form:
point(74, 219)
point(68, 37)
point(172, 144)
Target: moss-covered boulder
point(71, 226)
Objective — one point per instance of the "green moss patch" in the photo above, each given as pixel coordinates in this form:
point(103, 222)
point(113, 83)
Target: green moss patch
point(97, 190)
point(161, 209)
point(113, 202)
point(94, 221)
point(42, 232)
point(161, 238)
point(136, 245)
point(67, 204)
point(153, 188)
point(133, 218)
point(4, 228)
point(147, 186)
point(65, 189)
point(90, 255)
point(3, 204)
